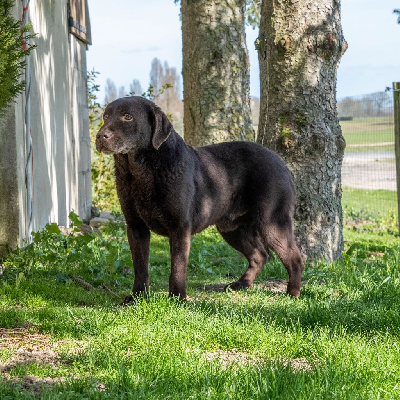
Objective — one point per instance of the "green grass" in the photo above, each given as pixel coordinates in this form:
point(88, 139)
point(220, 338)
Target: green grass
point(366, 149)
point(369, 134)
point(370, 202)
point(340, 340)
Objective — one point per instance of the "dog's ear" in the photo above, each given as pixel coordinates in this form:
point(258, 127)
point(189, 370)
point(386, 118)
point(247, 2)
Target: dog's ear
point(162, 128)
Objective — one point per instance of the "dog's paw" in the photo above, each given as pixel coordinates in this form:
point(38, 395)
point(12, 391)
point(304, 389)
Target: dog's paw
point(127, 300)
point(134, 297)
point(293, 292)
point(235, 286)
point(178, 297)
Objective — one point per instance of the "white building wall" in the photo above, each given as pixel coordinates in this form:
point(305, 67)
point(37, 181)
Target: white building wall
point(80, 125)
point(61, 178)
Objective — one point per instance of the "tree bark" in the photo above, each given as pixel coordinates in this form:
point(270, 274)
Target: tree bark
point(215, 72)
point(300, 45)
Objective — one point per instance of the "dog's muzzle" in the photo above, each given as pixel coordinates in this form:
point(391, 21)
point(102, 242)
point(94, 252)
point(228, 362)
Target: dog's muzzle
point(101, 140)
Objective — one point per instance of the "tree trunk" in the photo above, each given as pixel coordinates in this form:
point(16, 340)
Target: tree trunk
point(215, 72)
point(300, 45)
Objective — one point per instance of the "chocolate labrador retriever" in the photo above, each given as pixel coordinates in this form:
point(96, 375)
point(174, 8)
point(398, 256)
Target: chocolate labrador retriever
point(176, 190)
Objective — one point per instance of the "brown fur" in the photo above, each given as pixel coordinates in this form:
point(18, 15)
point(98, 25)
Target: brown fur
point(176, 190)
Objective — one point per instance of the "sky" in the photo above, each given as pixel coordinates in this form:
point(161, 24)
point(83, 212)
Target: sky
point(128, 34)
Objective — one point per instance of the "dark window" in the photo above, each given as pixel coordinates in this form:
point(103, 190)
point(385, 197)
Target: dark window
point(79, 21)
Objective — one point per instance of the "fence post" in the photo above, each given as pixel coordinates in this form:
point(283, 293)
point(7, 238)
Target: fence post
point(396, 96)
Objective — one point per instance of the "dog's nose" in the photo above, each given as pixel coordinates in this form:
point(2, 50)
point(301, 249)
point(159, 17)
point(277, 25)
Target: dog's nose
point(104, 135)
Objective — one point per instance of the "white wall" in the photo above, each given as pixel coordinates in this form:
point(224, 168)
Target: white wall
point(59, 125)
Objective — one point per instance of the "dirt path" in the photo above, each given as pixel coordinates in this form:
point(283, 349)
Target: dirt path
point(371, 170)
point(370, 144)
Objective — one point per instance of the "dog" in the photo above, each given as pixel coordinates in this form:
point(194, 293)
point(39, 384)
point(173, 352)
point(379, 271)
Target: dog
point(175, 190)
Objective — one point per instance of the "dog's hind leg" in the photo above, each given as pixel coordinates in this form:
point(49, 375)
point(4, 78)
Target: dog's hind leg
point(280, 239)
point(249, 244)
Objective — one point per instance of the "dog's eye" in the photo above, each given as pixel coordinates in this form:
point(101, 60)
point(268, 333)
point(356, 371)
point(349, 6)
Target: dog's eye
point(128, 117)
point(105, 117)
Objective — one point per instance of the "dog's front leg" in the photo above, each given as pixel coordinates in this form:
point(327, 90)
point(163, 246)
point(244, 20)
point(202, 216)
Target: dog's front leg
point(139, 243)
point(180, 248)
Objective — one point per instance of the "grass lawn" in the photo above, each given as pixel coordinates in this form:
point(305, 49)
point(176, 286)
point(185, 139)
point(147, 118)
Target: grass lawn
point(340, 340)
point(370, 203)
point(375, 133)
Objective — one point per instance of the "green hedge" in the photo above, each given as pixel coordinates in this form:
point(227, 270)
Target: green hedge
point(12, 54)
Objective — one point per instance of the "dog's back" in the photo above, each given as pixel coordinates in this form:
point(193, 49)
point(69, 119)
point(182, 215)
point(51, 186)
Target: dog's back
point(240, 178)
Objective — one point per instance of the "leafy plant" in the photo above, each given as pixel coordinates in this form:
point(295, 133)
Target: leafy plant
point(73, 252)
point(253, 13)
point(13, 49)
point(150, 94)
point(93, 104)
point(103, 183)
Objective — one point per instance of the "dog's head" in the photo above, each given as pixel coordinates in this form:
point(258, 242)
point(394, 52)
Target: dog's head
point(132, 124)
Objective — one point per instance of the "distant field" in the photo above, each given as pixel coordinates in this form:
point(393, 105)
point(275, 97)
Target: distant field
point(361, 148)
point(376, 202)
point(379, 131)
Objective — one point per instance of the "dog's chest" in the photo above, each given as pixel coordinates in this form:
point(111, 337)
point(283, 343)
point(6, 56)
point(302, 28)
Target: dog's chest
point(149, 207)
point(160, 193)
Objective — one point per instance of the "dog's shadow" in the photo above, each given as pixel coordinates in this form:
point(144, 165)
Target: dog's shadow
point(214, 287)
point(273, 285)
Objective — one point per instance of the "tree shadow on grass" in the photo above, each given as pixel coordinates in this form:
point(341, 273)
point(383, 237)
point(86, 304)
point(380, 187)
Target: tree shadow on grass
point(371, 311)
point(273, 285)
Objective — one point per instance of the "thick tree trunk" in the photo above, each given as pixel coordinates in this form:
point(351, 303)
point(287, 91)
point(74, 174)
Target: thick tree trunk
point(215, 72)
point(300, 45)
